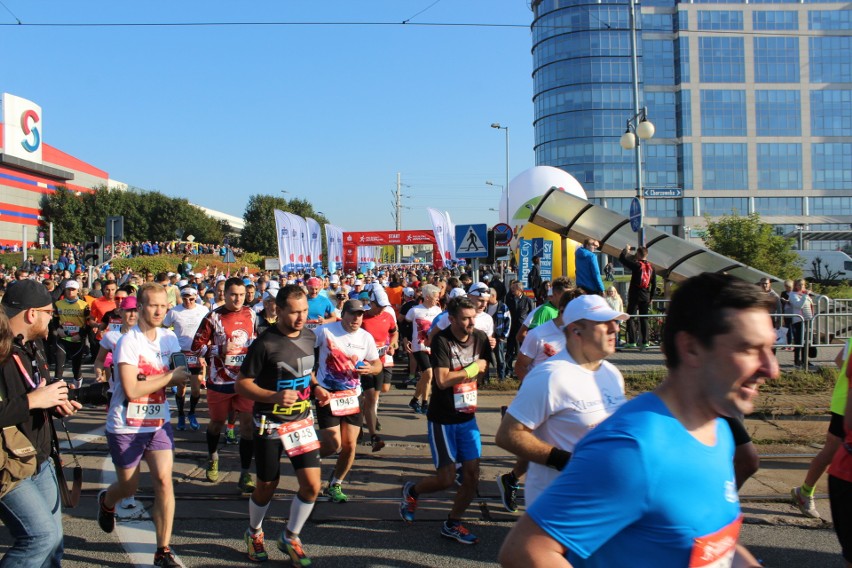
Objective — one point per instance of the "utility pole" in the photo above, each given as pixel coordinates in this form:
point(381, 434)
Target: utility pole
point(398, 213)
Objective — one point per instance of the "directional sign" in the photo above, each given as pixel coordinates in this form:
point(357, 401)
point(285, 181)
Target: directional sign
point(635, 214)
point(471, 241)
point(503, 234)
point(662, 192)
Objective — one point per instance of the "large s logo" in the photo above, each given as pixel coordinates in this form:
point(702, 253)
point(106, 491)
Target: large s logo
point(28, 121)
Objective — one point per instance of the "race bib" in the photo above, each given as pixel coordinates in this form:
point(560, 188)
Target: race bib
point(464, 397)
point(234, 360)
point(312, 324)
point(148, 411)
point(114, 327)
point(71, 328)
point(299, 437)
point(344, 403)
point(716, 550)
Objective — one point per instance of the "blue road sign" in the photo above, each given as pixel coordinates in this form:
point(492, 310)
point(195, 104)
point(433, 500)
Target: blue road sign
point(472, 241)
point(635, 214)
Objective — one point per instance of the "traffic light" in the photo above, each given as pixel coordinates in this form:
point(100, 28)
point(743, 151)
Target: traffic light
point(91, 254)
point(495, 251)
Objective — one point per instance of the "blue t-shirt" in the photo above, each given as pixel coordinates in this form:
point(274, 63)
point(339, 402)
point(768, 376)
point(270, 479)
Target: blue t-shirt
point(639, 490)
point(587, 271)
point(320, 307)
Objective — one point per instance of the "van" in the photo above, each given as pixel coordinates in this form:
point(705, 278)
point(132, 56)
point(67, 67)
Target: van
point(834, 263)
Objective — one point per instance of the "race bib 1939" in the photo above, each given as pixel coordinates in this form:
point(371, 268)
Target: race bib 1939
point(148, 411)
point(344, 403)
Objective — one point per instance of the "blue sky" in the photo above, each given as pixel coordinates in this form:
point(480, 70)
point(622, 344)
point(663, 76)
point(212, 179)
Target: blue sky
point(327, 113)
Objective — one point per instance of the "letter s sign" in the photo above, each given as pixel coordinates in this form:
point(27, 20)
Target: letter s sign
point(28, 121)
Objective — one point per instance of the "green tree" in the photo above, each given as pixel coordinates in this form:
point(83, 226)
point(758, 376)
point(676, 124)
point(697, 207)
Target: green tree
point(754, 243)
point(65, 210)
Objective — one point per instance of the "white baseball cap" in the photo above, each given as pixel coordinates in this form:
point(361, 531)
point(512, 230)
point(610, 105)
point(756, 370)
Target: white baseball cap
point(590, 307)
point(72, 284)
point(408, 292)
point(479, 289)
point(456, 293)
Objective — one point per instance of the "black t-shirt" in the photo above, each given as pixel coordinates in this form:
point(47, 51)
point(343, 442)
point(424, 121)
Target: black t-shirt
point(452, 354)
point(277, 362)
point(111, 321)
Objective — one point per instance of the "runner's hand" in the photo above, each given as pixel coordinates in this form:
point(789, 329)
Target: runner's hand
point(285, 398)
point(179, 376)
point(322, 396)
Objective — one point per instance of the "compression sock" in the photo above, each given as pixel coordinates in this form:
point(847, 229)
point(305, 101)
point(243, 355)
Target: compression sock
point(299, 513)
point(246, 452)
point(193, 402)
point(257, 513)
point(808, 490)
point(179, 401)
point(212, 445)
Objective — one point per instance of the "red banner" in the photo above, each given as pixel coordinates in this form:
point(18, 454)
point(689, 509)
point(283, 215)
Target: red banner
point(353, 240)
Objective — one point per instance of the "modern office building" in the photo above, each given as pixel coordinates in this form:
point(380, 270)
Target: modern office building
point(752, 104)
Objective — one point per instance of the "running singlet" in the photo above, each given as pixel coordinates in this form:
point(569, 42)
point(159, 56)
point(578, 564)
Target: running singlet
point(455, 404)
point(72, 318)
point(339, 352)
point(650, 505)
point(147, 413)
point(219, 328)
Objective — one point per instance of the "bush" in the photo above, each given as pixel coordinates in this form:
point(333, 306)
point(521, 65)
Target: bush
point(169, 263)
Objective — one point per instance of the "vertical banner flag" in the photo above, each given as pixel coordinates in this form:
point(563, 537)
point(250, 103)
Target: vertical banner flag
point(334, 238)
point(282, 231)
point(314, 243)
point(451, 238)
point(296, 241)
point(439, 226)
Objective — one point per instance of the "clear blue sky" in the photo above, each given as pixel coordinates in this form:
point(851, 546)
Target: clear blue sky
point(328, 113)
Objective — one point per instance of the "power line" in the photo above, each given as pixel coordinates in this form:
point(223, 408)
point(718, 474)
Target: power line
point(254, 24)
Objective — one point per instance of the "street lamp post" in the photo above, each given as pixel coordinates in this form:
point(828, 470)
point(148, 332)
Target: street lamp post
point(506, 128)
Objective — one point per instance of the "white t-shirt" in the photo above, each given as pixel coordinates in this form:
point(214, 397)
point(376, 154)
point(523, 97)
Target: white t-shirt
point(339, 352)
point(108, 342)
point(147, 413)
point(421, 317)
point(483, 322)
point(560, 402)
point(185, 322)
point(543, 342)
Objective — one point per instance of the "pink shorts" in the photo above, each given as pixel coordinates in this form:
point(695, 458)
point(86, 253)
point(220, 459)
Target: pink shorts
point(219, 404)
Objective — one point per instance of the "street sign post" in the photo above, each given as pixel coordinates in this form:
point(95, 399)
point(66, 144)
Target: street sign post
point(503, 234)
point(635, 215)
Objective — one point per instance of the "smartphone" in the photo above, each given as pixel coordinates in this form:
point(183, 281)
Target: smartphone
point(178, 360)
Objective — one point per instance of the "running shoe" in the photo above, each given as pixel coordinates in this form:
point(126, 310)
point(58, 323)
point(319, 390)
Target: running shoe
point(336, 493)
point(378, 426)
point(212, 470)
point(415, 406)
point(424, 408)
point(230, 436)
point(181, 425)
point(254, 546)
point(458, 532)
point(293, 547)
point(408, 504)
point(805, 504)
point(630, 345)
point(106, 517)
point(508, 492)
point(246, 483)
point(127, 503)
point(377, 443)
point(166, 559)
point(193, 422)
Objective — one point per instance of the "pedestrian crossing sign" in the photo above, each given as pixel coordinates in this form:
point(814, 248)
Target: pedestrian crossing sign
point(471, 241)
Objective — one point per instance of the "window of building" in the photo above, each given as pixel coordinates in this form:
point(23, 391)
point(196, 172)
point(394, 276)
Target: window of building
point(831, 112)
point(830, 20)
point(775, 20)
point(718, 206)
point(683, 106)
point(777, 206)
point(725, 166)
point(620, 205)
point(682, 22)
point(663, 207)
point(776, 59)
point(720, 20)
point(723, 113)
point(684, 165)
point(778, 113)
point(830, 59)
point(658, 23)
point(831, 165)
point(661, 165)
point(662, 111)
point(830, 205)
point(721, 59)
point(779, 166)
point(682, 60)
point(658, 62)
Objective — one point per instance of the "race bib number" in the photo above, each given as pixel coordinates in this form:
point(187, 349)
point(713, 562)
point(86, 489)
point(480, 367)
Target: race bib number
point(464, 397)
point(716, 550)
point(312, 324)
point(148, 411)
point(344, 403)
point(299, 437)
point(234, 360)
point(71, 328)
point(115, 327)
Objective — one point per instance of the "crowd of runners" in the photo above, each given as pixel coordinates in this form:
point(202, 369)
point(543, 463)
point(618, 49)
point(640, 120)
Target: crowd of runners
point(296, 364)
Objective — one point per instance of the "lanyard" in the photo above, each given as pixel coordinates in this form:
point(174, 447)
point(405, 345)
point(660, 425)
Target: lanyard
point(24, 371)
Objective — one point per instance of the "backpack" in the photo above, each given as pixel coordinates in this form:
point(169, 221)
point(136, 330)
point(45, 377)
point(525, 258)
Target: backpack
point(647, 272)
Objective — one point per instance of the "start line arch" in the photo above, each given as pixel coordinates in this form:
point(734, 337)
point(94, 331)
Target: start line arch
point(354, 239)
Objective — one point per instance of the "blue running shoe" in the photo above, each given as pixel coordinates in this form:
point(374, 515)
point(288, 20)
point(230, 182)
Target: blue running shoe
point(458, 532)
point(181, 425)
point(193, 422)
point(408, 504)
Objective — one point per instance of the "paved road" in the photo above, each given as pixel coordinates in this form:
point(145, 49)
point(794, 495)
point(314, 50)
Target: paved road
point(366, 532)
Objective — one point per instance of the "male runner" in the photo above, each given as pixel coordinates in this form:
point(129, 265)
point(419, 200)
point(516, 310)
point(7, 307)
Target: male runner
point(224, 336)
point(460, 355)
point(138, 418)
point(320, 308)
point(276, 375)
point(72, 313)
point(346, 354)
point(380, 322)
point(626, 498)
point(185, 320)
point(421, 317)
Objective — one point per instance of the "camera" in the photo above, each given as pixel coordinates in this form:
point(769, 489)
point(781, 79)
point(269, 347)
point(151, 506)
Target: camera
point(94, 395)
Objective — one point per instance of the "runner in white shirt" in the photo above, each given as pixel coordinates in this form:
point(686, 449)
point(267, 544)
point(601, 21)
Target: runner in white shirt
point(421, 319)
point(185, 319)
point(567, 395)
point(138, 418)
point(346, 353)
point(543, 341)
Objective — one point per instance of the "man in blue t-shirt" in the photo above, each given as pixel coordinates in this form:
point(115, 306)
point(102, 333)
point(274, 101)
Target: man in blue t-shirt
point(320, 308)
point(654, 485)
point(587, 270)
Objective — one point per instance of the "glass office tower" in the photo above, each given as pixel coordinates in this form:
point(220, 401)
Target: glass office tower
point(752, 104)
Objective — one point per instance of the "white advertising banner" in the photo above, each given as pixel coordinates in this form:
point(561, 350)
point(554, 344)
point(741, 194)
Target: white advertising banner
point(22, 128)
point(283, 230)
point(314, 243)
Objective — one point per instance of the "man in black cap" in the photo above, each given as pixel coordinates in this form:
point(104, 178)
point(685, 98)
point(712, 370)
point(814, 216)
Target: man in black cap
point(32, 510)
